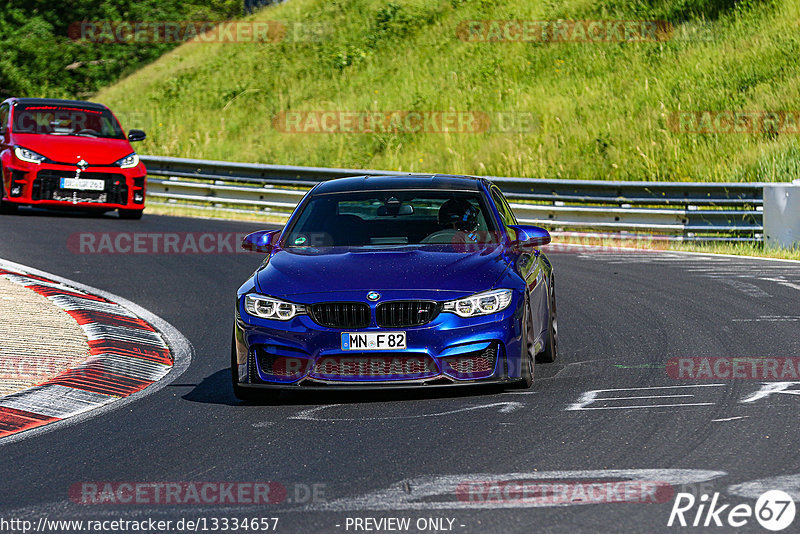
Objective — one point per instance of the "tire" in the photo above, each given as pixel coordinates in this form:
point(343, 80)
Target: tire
point(130, 214)
point(527, 358)
point(247, 394)
point(5, 207)
point(550, 351)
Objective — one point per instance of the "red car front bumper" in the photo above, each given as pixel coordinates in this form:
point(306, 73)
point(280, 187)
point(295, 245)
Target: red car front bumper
point(42, 185)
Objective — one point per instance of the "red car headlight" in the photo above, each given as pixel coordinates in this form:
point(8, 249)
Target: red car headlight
point(27, 155)
point(129, 161)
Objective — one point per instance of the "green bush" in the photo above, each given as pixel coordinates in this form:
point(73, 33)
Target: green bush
point(38, 57)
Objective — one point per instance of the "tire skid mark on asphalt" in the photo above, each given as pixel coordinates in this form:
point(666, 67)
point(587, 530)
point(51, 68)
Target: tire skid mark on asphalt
point(759, 391)
point(770, 319)
point(311, 414)
point(750, 290)
point(728, 270)
point(451, 492)
point(730, 419)
point(781, 281)
point(126, 355)
point(755, 488)
point(579, 369)
point(589, 398)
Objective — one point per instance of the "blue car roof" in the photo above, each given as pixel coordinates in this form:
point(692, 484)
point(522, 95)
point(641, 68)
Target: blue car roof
point(411, 181)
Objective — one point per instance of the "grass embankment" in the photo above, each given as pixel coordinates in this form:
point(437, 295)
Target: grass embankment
point(602, 109)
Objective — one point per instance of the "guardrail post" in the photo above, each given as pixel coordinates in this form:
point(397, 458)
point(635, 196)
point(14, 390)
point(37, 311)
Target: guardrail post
point(782, 215)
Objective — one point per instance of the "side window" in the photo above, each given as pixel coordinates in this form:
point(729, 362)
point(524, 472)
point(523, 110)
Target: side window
point(3, 118)
point(508, 209)
point(502, 206)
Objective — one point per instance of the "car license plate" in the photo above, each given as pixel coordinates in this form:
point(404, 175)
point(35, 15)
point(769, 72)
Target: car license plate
point(373, 341)
point(82, 183)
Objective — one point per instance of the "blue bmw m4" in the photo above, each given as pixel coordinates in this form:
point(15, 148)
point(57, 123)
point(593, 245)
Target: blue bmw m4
point(395, 281)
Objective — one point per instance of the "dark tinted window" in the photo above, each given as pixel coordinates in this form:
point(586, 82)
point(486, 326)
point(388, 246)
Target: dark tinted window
point(65, 120)
point(502, 206)
point(391, 218)
point(3, 118)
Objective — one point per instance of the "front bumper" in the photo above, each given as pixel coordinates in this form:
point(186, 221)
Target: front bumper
point(40, 185)
point(448, 351)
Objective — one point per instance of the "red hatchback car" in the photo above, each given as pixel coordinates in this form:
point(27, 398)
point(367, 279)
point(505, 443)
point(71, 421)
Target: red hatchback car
point(68, 153)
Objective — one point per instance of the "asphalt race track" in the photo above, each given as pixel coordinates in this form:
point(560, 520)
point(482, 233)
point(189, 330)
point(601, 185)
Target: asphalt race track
point(622, 316)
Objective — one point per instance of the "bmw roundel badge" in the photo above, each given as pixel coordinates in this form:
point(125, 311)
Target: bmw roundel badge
point(373, 296)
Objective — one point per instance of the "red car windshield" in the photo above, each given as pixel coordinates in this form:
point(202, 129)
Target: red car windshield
point(65, 120)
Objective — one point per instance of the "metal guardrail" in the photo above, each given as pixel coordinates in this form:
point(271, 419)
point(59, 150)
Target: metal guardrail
point(681, 210)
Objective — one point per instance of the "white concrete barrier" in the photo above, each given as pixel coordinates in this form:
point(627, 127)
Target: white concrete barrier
point(782, 215)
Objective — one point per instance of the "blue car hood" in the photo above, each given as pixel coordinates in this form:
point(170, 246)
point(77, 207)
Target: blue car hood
point(298, 271)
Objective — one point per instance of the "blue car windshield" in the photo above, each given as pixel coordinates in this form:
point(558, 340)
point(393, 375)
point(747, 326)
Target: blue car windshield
point(391, 218)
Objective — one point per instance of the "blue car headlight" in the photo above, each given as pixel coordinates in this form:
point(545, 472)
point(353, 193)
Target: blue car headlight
point(270, 308)
point(484, 303)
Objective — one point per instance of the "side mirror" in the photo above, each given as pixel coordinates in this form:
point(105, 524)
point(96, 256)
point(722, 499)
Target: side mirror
point(529, 236)
point(263, 241)
point(136, 135)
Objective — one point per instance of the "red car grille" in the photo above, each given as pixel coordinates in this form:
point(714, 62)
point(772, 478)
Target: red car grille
point(47, 186)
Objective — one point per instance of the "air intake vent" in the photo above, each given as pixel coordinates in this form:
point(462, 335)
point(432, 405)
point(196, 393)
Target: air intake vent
point(471, 365)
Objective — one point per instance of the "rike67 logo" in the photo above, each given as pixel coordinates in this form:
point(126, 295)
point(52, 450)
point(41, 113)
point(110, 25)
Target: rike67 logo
point(774, 510)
